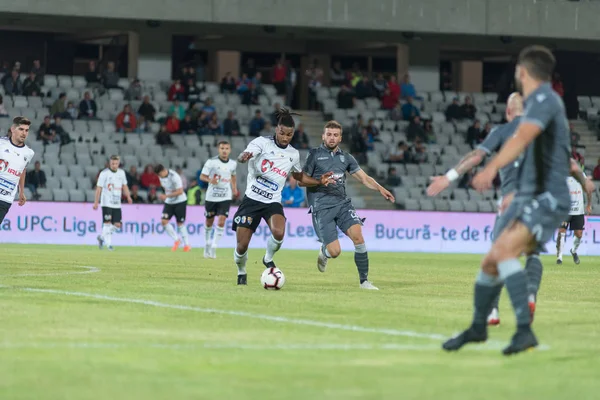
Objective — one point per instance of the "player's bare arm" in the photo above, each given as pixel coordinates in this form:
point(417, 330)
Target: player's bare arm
point(97, 197)
point(127, 194)
point(234, 188)
point(467, 163)
point(308, 181)
point(372, 184)
point(526, 133)
point(175, 193)
point(244, 157)
point(22, 198)
point(587, 184)
point(206, 178)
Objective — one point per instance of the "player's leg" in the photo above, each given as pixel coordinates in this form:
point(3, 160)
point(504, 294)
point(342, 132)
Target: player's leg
point(562, 235)
point(577, 226)
point(326, 229)
point(180, 216)
point(209, 213)
point(533, 270)
point(240, 254)
point(116, 225)
point(276, 223)
point(246, 220)
point(222, 214)
point(493, 318)
point(166, 216)
point(4, 207)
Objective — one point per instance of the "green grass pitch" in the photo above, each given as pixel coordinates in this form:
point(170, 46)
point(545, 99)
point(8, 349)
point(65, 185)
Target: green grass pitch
point(150, 324)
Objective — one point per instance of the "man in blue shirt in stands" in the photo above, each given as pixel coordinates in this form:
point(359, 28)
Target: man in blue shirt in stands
point(292, 194)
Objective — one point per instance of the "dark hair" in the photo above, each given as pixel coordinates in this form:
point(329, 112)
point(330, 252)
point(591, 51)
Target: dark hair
point(284, 118)
point(158, 168)
point(21, 121)
point(538, 61)
point(225, 142)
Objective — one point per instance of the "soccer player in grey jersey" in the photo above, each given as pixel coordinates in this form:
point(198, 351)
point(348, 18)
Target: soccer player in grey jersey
point(540, 203)
point(330, 205)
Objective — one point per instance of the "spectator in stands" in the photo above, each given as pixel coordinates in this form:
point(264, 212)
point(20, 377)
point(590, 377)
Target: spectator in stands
point(267, 130)
point(575, 137)
point(249, 69)
point(359, 146)
point(214, 126)
point(393, 180)
point(72, 111)
point(243, 89)
point(172, 123)
point(379, 85)
point(228, 83)
point(300, 138)
point(208, 108)
point(337, 75)
point(409, 110)
point(5, 68)
point(315, 79)
point(149, 179)
point(60, 132)
point(3, 112)
point(132, 176)
point(454, 111)
point(176, 91)
point(345, 97)
point(38, 71)
point(46, 134)
point(13, 85)
point(394, 86)
point(468, 109)
point(257, 124)
point(87, 107)
point(59, 107)
point(152, 196)
point(415, 130)
point(292, 195)
point(364, 88)
point(126, 121)
point(257, 84)
point(194, 111)
point(146, 113)
point(577, 156)
point(397, 114)
point(596, 172)
point(400, 154)
point(36, 178)
point(190, 75)
point(487, 128)
point(110, 77)
point(163, 138)
point(557, 85)
point(231, 126)
point(192, 92)
point(278, 76)
point(407, 89)
point(473, 134)
point(202, 122)
point(372, 131)
point(31, 86)
point(177, 109)
point(135, 194)
point(291, 80)
point(429, 133)
point(93, 77)
point(388, 100)
point(188, 126)
point(419, 155)
point(134, 92)
point(355, 75)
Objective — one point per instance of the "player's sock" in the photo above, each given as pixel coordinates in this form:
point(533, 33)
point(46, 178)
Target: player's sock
point(207, 234)
point(576, 243)
point(496, 300)
point(107, 231)
point(487, 289)
point(171, 232)
point(219, 230)
point(361, 259)
point(272, 246)
point(559, 246)
point(184, 234)
point(325, 251)
point(515, 280)
point(533, 270)
point(240, 261)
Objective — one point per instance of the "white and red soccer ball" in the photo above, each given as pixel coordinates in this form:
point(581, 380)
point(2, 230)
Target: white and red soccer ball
point(272, 279)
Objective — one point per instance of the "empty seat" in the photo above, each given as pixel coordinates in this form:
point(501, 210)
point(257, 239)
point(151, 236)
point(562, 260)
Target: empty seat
point(426, 205)
point(77, 196)
point(470, 206)
point(67, 183)
point(44, 194)
point(412, 205)
point(456, 206)
point(90, 196)
point(84, 183)
point(485, 206)
point(60, 195)
point(441, 205)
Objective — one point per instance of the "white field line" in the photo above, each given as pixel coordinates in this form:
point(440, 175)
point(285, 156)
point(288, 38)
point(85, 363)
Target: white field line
point(88, 270)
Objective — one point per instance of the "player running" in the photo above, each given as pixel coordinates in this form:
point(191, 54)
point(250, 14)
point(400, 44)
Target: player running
point(539, 205)
point(112, 183)
point(271, 160)
point(331, 207)
point(220, 174)
point(15, 155)
point(175, 201)
point(576, 220)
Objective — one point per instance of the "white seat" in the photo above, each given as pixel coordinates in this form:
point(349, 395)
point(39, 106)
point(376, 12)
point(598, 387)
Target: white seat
point(67, 183)
point(44, 194)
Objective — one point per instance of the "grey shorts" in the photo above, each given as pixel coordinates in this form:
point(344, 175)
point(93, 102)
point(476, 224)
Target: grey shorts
point(542, 215)
point(328, 220)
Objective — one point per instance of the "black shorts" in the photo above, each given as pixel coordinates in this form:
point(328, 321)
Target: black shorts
point(4, 207)
point(327, 221)
point(111, 215)
point(574, 223)
point(178, 210)
point(212, 208)
point(250, 213)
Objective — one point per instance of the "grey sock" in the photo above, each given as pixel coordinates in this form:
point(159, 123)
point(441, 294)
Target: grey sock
point(515, 281)
point(533, 270)
point(487, 288)
point(496, 300)
point(361, 258)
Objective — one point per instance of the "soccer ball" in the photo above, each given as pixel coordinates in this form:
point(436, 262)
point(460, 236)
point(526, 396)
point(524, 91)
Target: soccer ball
point(272, 279)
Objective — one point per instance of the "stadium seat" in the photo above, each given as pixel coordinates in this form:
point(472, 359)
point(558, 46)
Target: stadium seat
point(44, 194)
point(470, 206)
point(412, 205)
point(484, 206)
point(441, 205)
point(67, 183)
point(84, 183)
point(76, 196)
point(90, 196)
point(426, 205)
point(456, 206)
point(60, 195)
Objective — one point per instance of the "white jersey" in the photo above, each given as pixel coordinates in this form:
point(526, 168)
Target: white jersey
point(112, 187)
point(576, 192)
point(269, 168)
point(224, 171)
point(13, 163)
point(171, 183)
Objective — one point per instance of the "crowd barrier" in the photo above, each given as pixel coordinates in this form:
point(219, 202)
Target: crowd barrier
point(398, 231)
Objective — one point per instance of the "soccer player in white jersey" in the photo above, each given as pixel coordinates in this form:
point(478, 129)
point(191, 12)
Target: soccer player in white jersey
point(576, 220)
point(270, 161)
point(112, 184)
point(175, 201)
point(219, 173)
point(14, 157)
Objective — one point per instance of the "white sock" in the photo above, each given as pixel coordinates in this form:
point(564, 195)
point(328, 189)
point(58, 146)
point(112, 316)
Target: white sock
point(184, 234)
point(171, 232)
point(272, 247)
point(240, 261)
point(107, 231)
point(219, 230)
point(576, 244)
point(113, 229)
point(559, 245)
point(207, 233)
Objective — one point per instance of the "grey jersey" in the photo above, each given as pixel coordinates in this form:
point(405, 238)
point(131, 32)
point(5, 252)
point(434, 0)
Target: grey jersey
point(494, 142)
point(321, 160)
point(546, 164)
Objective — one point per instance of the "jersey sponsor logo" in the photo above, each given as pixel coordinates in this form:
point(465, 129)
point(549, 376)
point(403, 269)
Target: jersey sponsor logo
point(267, 183)
point(4, 168)
point(261, 192)
point(267, 165)
point(7, 185)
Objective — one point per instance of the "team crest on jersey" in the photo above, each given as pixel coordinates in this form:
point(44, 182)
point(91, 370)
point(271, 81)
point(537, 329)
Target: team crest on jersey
point(243, 220)
point(249, 220)
point(237, 220)
point(3, 166)
point(342, 158)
